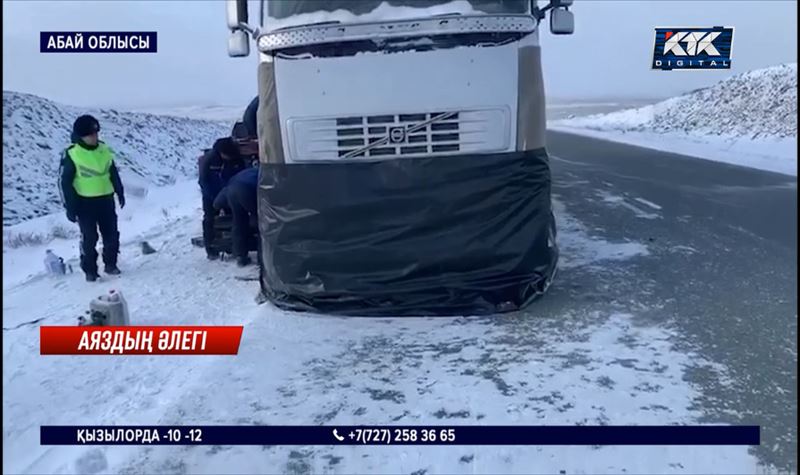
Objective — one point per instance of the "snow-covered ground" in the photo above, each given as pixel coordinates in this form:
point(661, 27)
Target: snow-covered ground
point(591, 368)
point(24, 244)
point(227, 114)
point(559, 108)
point(151, 150)
point(749, 119)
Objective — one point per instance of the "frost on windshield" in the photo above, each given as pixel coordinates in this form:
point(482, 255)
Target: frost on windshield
point(280, 14)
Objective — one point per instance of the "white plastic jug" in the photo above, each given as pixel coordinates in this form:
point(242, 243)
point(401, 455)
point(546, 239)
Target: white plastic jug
point(110, 309)
point(63, 266)
point(53, 263)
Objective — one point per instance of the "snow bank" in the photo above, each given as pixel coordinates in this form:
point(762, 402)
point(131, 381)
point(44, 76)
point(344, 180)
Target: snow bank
point(24, 244)
point(228, 114)
point(151, 150)
point(749, 119)
point(757, 104)
point(774, 155)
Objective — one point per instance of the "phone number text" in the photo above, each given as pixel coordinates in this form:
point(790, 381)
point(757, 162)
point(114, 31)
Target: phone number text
point(400, 436)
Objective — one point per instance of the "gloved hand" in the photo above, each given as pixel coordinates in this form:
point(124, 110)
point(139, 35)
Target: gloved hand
point(121, 199)
point(72, 216)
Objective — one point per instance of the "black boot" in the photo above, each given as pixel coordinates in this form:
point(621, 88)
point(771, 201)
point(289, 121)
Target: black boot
point(112, 269)
point(243, 261)
point(91, 276)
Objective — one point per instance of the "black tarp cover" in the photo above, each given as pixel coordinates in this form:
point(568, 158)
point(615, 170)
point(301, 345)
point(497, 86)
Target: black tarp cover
point(459, 235)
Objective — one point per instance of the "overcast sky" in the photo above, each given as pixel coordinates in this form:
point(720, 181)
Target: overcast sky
point(608, 56)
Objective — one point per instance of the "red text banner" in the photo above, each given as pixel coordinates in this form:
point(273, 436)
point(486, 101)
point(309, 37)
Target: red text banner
point(140, 340)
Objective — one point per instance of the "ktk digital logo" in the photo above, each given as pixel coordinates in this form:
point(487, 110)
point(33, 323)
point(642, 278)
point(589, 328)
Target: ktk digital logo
point(693, 48)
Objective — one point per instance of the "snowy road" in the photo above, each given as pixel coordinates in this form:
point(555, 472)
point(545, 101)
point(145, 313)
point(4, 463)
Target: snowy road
point(722, 269)
point(675, 303)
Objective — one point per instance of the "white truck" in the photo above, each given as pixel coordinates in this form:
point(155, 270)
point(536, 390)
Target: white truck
point(402, 149)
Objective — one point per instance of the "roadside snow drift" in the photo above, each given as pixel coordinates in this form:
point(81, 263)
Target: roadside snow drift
point(151, 150)
point(227, 114)
point(25, 243)
point(749, 119)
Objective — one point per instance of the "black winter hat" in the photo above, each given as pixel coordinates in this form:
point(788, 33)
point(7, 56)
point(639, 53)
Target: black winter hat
point(85, 125)
point(226, 146)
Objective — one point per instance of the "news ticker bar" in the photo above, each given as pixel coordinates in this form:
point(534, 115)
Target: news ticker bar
point(401, 435)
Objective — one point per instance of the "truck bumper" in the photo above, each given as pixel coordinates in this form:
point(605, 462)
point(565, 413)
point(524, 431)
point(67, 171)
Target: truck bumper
point(455, 235)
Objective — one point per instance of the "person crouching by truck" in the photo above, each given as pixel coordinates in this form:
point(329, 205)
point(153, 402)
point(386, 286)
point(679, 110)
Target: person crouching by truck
point(89, 180)
point(217, 167)
point(240, 199)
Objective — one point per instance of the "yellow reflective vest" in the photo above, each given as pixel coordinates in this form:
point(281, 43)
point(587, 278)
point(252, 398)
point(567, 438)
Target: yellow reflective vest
point(92, 170)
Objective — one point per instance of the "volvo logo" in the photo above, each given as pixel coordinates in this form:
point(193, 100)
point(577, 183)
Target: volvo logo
point(397, 134)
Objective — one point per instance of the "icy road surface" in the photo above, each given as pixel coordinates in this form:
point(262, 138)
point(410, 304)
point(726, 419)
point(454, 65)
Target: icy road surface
point(675, 303)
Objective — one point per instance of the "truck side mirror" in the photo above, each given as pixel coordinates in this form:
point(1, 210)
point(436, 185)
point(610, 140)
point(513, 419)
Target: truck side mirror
point(562, 22)
point(236, 13)
point(238, 44)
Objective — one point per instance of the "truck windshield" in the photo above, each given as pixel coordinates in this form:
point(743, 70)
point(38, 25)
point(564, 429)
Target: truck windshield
point(285, 13)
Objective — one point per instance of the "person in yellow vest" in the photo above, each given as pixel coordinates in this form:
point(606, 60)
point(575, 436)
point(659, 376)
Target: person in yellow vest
point(89, 180)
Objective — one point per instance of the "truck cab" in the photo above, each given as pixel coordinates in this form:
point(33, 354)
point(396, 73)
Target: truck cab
point(399, 124)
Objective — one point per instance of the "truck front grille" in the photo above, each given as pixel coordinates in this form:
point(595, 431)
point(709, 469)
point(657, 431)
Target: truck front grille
point(399, 135)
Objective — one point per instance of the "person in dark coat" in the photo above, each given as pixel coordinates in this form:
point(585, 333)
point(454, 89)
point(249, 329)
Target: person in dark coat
point(250, 118)
point(89, 180)
point(239, 198)
point(217, 167)
point(221, 202)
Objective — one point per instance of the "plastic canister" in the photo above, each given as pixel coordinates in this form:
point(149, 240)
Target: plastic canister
point(113, 307)
point(53, 263)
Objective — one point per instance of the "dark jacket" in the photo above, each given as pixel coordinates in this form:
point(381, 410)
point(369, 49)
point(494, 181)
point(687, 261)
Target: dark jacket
point(247, 177)
point(215, 173)
point(250, 118)
point(70, 197)
point(221, 201)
